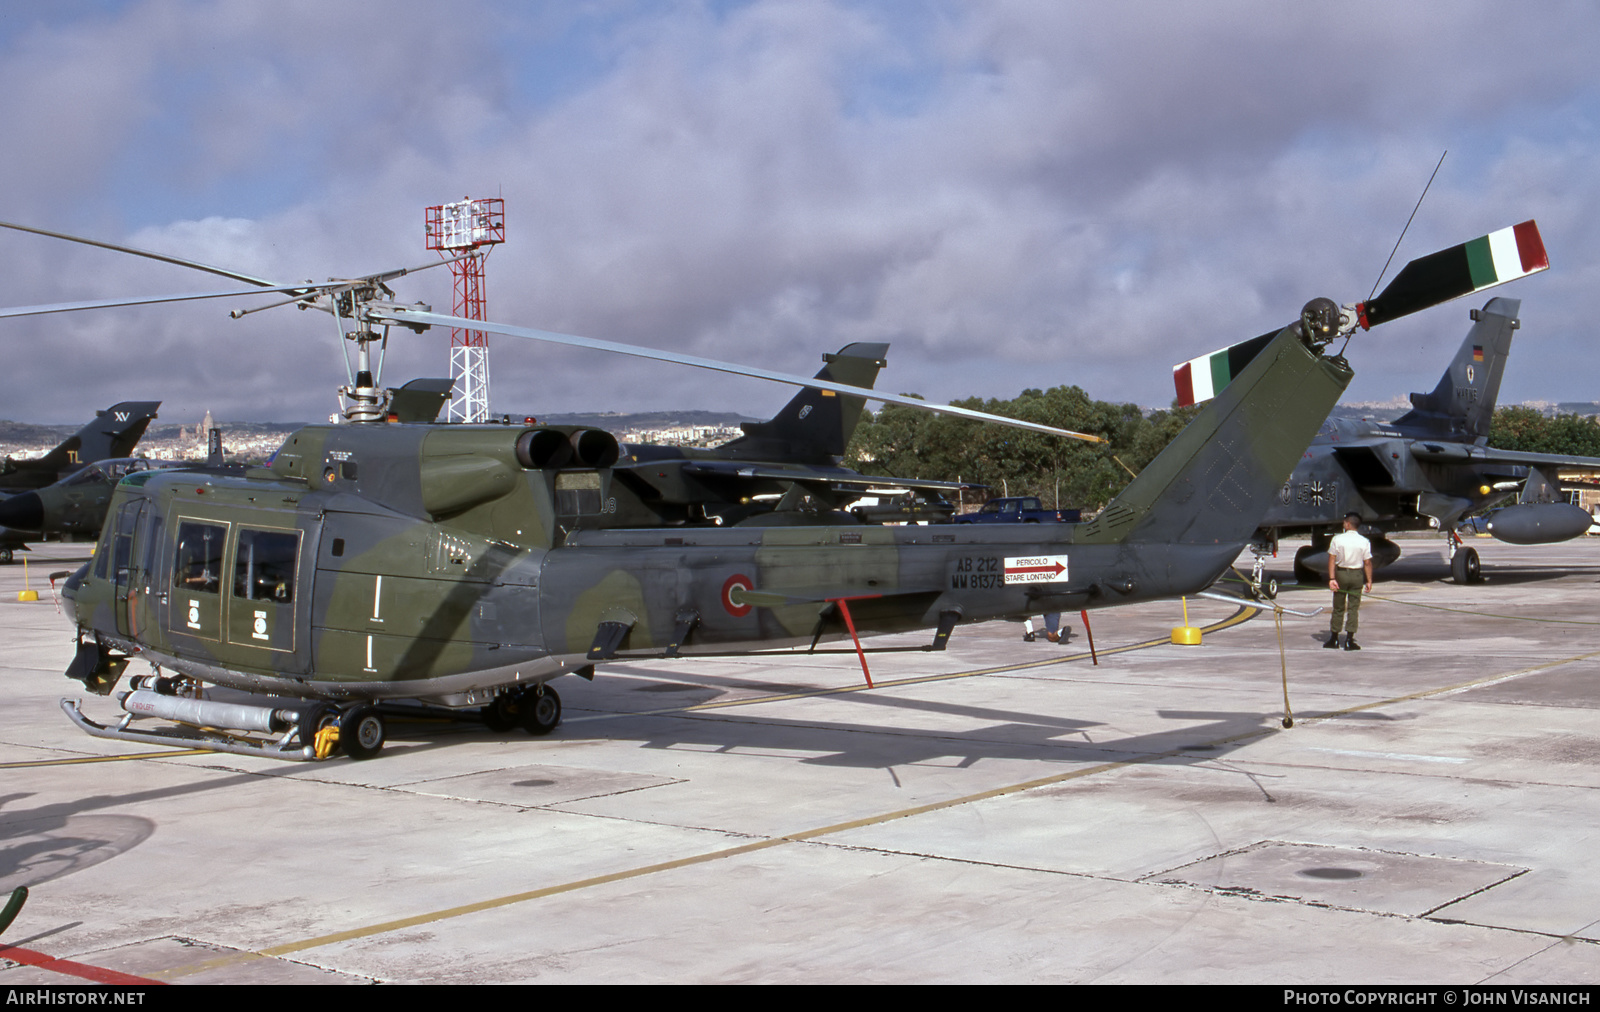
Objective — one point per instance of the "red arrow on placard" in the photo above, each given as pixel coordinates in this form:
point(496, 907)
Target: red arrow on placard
point(1055, 570)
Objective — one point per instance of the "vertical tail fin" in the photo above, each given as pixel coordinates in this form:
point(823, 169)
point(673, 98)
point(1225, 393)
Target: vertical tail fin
point(1462, 405)
point(816, 426)
point(1215, 481)
point(114, 432)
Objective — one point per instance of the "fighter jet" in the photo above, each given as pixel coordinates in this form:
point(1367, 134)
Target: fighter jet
point(785, 471)
point(75, 506)
point(113, 433)
point(1428, 469)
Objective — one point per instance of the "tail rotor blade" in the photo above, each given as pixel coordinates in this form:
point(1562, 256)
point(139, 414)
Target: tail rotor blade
point(1484, 262)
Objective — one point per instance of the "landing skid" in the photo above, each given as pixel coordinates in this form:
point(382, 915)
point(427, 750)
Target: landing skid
point(294, 730)
point(192, 737)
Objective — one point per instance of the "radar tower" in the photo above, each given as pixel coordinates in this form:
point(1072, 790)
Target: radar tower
point(471, 227)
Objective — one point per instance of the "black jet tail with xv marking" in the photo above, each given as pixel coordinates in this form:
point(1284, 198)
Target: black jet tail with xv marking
point(816, 426)
point(1214, 482)
point(113, 433)
point(1461, 407)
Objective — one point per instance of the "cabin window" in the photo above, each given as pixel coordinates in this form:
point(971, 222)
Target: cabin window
point(577, 493)
point(199, 561)
point(263, 569)
point(124, 548)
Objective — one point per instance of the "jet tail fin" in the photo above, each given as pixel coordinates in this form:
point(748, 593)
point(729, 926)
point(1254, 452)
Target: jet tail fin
point(114, 432)
point(1462, 405)
point(816, 426)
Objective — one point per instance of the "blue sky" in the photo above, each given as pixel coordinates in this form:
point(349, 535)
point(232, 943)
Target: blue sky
point(1014, 194)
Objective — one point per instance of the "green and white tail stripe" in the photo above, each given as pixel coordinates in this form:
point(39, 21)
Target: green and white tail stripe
point(1484, 262)
point(1203, 378)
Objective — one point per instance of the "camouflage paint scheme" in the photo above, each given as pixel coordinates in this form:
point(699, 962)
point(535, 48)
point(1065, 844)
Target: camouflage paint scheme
point(455, 563)
point(75, 505)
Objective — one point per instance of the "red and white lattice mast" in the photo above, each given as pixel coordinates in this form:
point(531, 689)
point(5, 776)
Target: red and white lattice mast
point(472, 227)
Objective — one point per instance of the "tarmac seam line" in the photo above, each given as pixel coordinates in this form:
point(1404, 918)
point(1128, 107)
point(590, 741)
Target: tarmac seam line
point(398, 924)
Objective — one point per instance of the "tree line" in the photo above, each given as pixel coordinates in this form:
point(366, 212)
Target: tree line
point(1528, 429)
point(906, 443)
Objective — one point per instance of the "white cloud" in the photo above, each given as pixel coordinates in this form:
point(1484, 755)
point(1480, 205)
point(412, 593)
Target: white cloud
point(1013, 194)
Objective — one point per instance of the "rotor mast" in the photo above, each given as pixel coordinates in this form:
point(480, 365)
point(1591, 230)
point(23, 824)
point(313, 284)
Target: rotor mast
point(470, 227)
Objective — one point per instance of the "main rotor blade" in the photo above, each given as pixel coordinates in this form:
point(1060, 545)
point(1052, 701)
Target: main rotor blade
point(379, 277)
point(144, 300)
point(248, 279)
point(401, 315)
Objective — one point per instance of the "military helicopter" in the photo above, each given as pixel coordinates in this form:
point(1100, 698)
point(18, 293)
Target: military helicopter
point(1432, 466)
point(467, 566)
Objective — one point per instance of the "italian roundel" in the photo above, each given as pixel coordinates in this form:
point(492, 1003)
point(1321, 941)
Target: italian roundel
point(732, 595)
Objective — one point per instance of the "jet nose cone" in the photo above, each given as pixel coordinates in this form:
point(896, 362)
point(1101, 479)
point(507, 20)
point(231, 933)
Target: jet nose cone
point(23, 512)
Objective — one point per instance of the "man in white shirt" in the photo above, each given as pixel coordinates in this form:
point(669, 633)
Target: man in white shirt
point(1349, 570)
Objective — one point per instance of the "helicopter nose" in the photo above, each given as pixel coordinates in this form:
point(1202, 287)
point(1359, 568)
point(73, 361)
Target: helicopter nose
point(69, 589)
point(23, 512)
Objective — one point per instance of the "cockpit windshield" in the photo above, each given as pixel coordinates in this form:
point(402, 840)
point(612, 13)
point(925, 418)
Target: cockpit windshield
point(113, 471)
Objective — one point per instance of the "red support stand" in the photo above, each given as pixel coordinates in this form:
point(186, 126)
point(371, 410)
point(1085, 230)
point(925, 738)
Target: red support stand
point(849, 623)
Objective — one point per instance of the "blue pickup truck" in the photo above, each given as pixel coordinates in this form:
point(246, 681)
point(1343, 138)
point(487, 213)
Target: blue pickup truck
point(1018, 509)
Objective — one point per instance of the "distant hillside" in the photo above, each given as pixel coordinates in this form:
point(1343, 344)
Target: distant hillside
point(1388, 411)
point(170, 440)
point(28, 434)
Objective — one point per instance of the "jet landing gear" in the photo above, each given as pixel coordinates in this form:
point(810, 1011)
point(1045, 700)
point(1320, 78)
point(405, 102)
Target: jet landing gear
point(1464, 565)
point(1263, 586)
point(536, 710)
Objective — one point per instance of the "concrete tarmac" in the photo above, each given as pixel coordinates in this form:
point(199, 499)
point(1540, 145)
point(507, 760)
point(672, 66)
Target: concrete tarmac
point(999, 812)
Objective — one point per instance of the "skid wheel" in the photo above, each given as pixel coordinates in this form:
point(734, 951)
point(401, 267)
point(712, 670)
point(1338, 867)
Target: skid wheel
point(1464, 566)
point(361, 731)
point(501, 713)
point(540, 710)
point(313, 718)
point(5, 556)
point(1269, 588)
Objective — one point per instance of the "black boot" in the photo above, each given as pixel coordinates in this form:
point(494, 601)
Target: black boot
point(1350, 642)
point(1333, 641)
